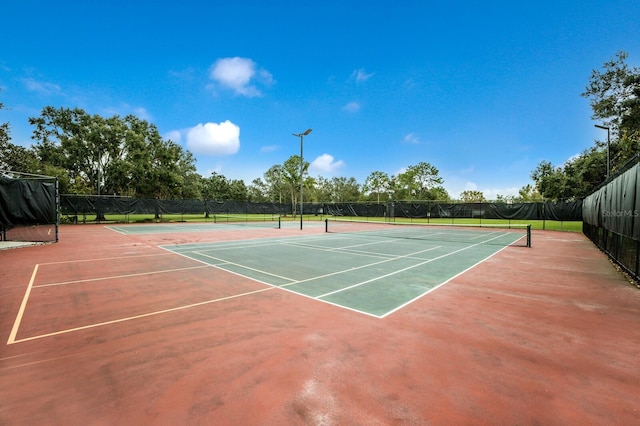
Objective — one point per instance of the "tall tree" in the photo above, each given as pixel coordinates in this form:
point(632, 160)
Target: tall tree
point(528, 193)
point(322, 189)
point(216, 187)
point(112, 155)
point(418, 182)
point(258, 191)
point(292, 179)
point(4, 129)
point(470, 196)
point(275, 183)
point(237, 190)
point(376, 184)
point(613, 91)
point(614, 96)
point(344, 189)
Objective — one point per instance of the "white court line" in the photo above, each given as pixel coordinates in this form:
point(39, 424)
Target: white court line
point(408, 256)
point(103, 258)
point(223, 245)
point(294, 281)
point(442, 283)
point(403, 270)
point(226, 262)
point(348, 249)
point(220, 246)
point(112, 277)
point(148, 314)
point(23, 305)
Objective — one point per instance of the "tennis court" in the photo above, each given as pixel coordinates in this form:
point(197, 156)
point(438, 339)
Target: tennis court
point(363, 324)
point(372, 268)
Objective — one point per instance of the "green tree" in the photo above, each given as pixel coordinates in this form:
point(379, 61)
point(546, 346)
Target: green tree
point(15, 157)
point(275, 184)
point(258, 191)
point(528, 193)
point(113, 155)
point(322, 190)
point(376, 184)
point(216, 187)
point(418, 182)
point(18, 158)
point(470, 196)
point(237, 190)
point(344, 189)
point(613, 92)
point(614, 96)
point(4, 129)
point(553, 182)
point(291, 178)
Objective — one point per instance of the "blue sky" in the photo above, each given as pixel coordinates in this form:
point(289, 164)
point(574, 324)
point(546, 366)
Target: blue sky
point(483, 91)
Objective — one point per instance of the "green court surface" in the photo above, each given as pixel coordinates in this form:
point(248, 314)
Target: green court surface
point(372, 274)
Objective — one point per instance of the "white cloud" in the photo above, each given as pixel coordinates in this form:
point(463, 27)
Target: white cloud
point(214, 139)
point(492, 193)
point(240, 75)
point(184, 74)
point(326, 164)
point(400, 171)
point(360, 75)
point(126, 109)
point(352, 107)
point(42, 87)
point(470, 186)
point(141, 112)
point(173, 135)
point(411, 138)
point(270, 148)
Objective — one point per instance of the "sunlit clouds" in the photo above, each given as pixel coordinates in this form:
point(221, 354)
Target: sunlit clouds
point(352, 107)
point(213, 139)
point(360, 75)
point(240, 75)
point(326, 164)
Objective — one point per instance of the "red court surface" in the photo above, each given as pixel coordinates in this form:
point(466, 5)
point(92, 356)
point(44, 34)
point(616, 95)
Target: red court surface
point(109, 329)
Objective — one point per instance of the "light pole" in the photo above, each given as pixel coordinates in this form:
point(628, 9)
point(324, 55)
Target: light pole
point(301, 136)
point(608, 143)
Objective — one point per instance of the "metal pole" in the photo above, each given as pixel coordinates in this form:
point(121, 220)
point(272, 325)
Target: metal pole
point(301, 179)
point(301, 136)
point(608, 144)
point(608, 151)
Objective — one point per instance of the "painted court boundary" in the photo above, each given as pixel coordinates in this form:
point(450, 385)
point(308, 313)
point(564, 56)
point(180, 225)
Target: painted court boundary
point(199, 247)
point(262, 242)
point(16, 325)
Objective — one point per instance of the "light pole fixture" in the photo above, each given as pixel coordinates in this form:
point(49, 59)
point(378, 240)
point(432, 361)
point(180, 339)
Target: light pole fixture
point(301, 136)
point(608, 143)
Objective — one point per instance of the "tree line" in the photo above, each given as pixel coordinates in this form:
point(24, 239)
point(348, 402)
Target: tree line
point(614, 96)
point(127, 156)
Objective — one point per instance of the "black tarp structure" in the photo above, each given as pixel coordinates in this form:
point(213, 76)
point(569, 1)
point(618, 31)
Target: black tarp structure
point(99, 206)
point(352, 209)
point(559, 211)
point(72, 205)
point(611, 218)
point(28, 207)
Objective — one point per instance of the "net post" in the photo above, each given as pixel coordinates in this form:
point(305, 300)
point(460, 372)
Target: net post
point(57, 190)
point(529, 236)
point(326, 225)
point(279, 224)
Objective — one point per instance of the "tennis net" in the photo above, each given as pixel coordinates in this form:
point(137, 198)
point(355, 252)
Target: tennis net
point(495, 234)
point(254, 220)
